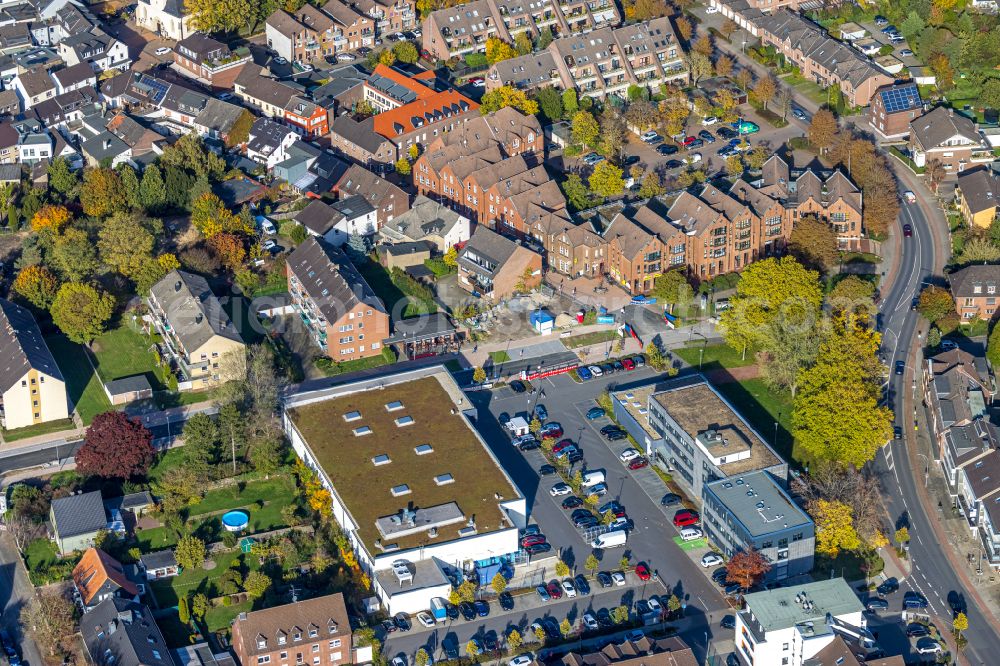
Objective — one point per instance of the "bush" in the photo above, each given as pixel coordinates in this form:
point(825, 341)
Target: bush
point(799, 143)
point(476, 61)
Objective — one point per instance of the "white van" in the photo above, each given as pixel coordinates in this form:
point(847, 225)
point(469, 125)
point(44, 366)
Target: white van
point(690, 533)
point(593, 478)
point(611, 539)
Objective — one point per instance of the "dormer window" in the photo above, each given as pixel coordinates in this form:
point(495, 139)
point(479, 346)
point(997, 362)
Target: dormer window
point(332, 627)
point(313, 632)
point(282, 638)
point(297, 636)
point(261, 642)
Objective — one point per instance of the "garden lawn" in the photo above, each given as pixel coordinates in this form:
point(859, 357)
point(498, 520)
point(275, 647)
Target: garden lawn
point(124, 352)
point(82, 383)
point(193, 581)
point(716, 357)
point(807, 88)
point(219, 618)
point(393, 292)
point(40, 554)
point(40, 429)
point(592, 338)
point(499, 357)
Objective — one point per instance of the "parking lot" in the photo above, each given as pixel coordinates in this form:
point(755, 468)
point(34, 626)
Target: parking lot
point(651, 541)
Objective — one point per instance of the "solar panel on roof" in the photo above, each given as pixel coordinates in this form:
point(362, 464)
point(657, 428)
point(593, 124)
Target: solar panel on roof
point(900, 99)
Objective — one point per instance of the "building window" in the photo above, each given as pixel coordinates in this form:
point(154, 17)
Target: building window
point(266, 659)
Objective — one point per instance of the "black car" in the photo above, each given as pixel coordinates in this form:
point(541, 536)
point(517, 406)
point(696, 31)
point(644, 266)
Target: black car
point(482, 608)
point(719, 575)
point(506, 601)
point(452, 611)
point(731, 589)
point(877, 604)
point(608, 368)
point(670, 499)
point(580, 513)
point(529, 445)
point(674, 164)
point(585, 523)
point(363, 51)
point(706, 136)
point(728, 622)
point(574, 457)
point(401, 621)
point(611, 427)
point(572, 502)
point(614, 506)
point(888, 586)
point(619, 366)
point(630, 160)
point(604, 617)
point(388, 626)
point(615, 435)
point(639, 360)
point(900, 367)
point(468, 610)
point(897, 432)
point(582, 586)
point(666, 149)
point(917, 630)
point(727, 133)
point(732, 660)
point(546, 470)
point(538, 548)
point(604, 579)
point(517, 386)
point(914, 600)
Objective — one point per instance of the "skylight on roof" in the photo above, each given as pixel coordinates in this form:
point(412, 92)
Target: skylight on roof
point(362, 430)
point(381, 459)
point(444, 479)
point(393, 406)
point(400, 490)
point(404, 421)
point(423, 449)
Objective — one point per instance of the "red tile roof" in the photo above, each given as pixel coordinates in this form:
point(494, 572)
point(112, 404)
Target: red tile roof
point(439, 106)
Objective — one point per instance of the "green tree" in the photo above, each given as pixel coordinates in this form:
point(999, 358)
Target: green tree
point(570, 102)
point(990, 94)
point(535, 426)
point(505, 96)
point(467, 591)
point(834, 527)
point(472, 649)
point(673, 287)
point(673, 604)
point(912, 26)
point(562, 569)
point(421, 658)
point(37, 285)
point(978, 250)
point(619, 614)
point(256, 583)
point(960, 624)
point(130, 186)
point(577, 194)
point(623, 563)
point(125, 244)
point(62, 179)
point(540, 635)
point(935, 303)
point(769, 290)
point(499, 583)
point(592, 564)
point(497, 50)
point(545, 38)
point(182, 611)
point(823, 130)
point(189, 552)
point(201, 442)
point(550, 102)
point(81, 312)
point(902, 536)
point(152, 189)
point(199, 606)
point(265, 454)
point(652, 186)
point(405, 52)
point(607, 180)
point(209, 17)
point(993, 347)
point(836, 416)
point(102, 192)
point(586, 130)
point(74, 255)
point(403, 167)
point(478, 375)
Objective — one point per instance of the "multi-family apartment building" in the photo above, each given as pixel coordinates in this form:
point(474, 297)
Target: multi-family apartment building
point(820, 58)
point(344, 316)
point(830, 196)
point(313, 631)
point(496, 267)
point(277, 100)
point(976, 194)
point(209, 61)
point(389, 88)
point(974, 289)
point(310, 34)
point(390, 15)
point(464, 29)
point(949, 138)
point(197, 333)
point(32, 388)
point(388, 199)
point(606, 61)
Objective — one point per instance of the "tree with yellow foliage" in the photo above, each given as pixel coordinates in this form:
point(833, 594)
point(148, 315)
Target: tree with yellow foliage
point(498, 50)
point(834, 527)
point(507, 96)
point(50, 219)
point(37, 285)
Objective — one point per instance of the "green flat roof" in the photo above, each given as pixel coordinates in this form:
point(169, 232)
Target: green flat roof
point(779, 609)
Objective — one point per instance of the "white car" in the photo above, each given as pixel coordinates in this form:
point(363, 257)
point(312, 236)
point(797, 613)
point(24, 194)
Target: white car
point(693, 158)
point(928, 646)
point(654, 605)
point(346, 57)
point(711, 9)
point(163, 50)
point(648, 136)
point(268, 245)
point(590, 622)
point(398, 661)
point(520, 660)
point(711, 120)
point(711, 559)
point(618, 578)
point(567, 586)
point(628, 454)
point(910, 197)
point(398, 36)
point(425, 619)
point(560, 489)
point(595, 370)
point(305, 67)
point(418, 33)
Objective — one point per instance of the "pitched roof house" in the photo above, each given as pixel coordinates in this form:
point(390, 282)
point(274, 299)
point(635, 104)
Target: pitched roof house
point(32, 387)
point(259, 636)
point(388, 199)
point(76, 520)
point(125, 630)
point(98, 576)
point(976, 193)
point(948, 137)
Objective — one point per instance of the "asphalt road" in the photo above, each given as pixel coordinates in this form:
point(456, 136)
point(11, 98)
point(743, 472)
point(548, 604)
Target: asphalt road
point(932, 574)
point(651, 541)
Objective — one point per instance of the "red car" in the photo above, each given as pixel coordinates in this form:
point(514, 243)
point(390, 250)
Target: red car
point(553, 431)
point(562, 445)
point(685, 518)
point(554, 590)
point(642, 571)
point(532, 540)
point(688, 140)
point(628, 363)
point(638, 463)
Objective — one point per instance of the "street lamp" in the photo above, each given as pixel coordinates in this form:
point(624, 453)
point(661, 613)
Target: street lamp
point(927, 467)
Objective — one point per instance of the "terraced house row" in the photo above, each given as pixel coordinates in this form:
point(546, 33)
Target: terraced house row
point(605, 61)
point(490, 171)
point(459, 31)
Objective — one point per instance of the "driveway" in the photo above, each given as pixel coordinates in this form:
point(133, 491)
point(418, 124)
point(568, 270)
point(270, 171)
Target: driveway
point(15, 593)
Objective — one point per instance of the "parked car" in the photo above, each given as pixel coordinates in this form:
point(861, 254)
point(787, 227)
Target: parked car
point(619, 579)
point(638, 463)
point(906, 53)
point(614, 507)
point(468, 610)
point(799, 114)
point(551, 431)
point(928, 646)
point(541, 413)
point(402, 621)
point(670, 499)
point(563, 444)
point(711, 560)
point(425, 619)
point(546, 470)
point(595, 413)
point(628, 454)
point(583, 373)
point(599, 489)
point(517, 386)
point(654, 606)
point(709, 121)
point(917, 630)
point(693, 158)
point(728, 622)
point(604, 579)
point(543, 593)
point(163, 50)
point(478, 82)
point(628, 364)
point(346, 57)
point(585, 522)
point(876, 604)
point(666, 149)
point(569, 588)
point(591, 159)
point(582, 586)
point(572, 502)
point(649, 136)
point(914, 600)
point(590, 622)
point(482, 608)
point(555, 590)
point(596, 370)
point(615, 435)
point(726, 132)
point(888, 586)
point(642, 571)
point(719, 575)
point(560, 489)
point(673, 164)
point(538, 548)
point(685, 517)
point(520, 660)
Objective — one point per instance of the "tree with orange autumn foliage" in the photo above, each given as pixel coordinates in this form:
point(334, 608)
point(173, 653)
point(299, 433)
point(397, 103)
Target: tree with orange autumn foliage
point(50, 219)
point(229, 249)
point(37, 285)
